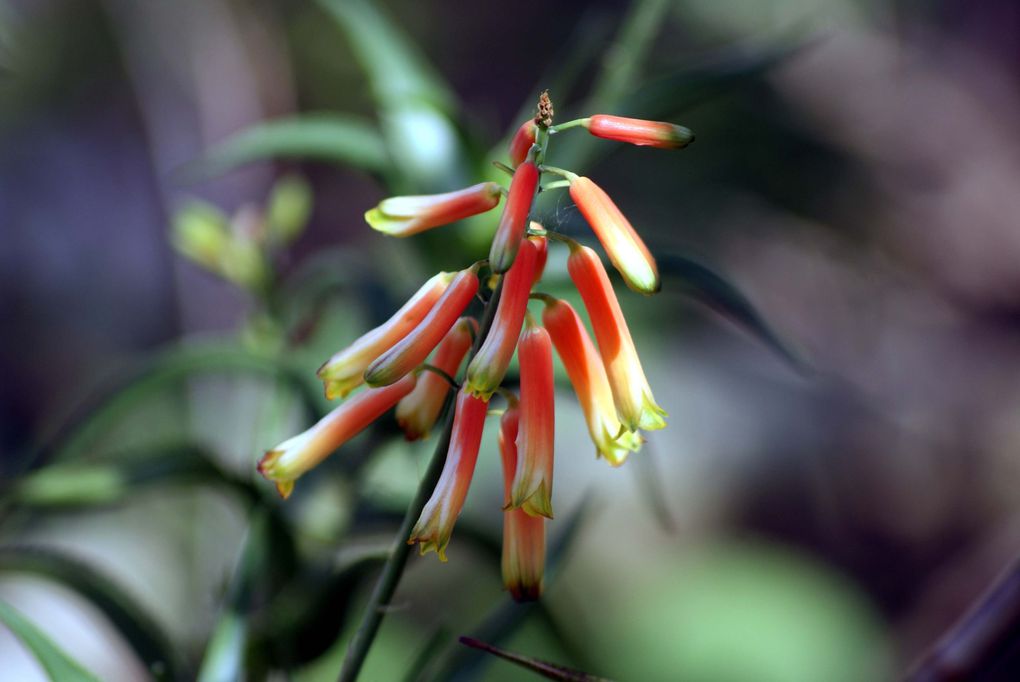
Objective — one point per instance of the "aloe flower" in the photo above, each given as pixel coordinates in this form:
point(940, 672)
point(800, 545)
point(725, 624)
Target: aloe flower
point(345, 371)
point(588, 377)
point(523, 562)
point(521, 142)
point(418, 411)
point(404, 216)
point(285, 463)
point(489, 365)
point(532, 486)
point(624, 247)
point(543, 252)
point(635, 404)
point(435, 525)
point(514, 220)
point(638, 131)
point(412, 350)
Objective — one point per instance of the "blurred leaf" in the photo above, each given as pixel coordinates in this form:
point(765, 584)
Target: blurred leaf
point(653, 486)
point(224, 657)
point(290, 205)
point(546, 670)
point(711, 289)
point(58, 665)
point(415, 104)
point(107, 406)
point(129, 618)
point(336, 138)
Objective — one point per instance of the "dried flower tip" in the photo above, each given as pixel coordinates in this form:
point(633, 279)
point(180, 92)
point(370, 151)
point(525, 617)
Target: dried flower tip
point(544, 116)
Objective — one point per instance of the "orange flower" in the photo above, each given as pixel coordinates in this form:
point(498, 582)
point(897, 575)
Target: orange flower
point(543, 252)
point(521, 143)
point(404, 216)
point(345, 371)
point(514, 220)
point(523, 560)
point(417, 412)
point(285, 463)
point(532, 487)
point(639, 132)
point(435, 525)
point(622, 244)
point(489, 365)
point(635, 404)
point(588, 377)
point(412, 350)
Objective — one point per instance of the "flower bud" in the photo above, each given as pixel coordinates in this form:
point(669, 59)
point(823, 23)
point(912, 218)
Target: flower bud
point(418, 411)
point(489, 365)
point(435, 525)
point(640, 132)
point(289, 208)
point(521, 143)
point(285, 463)
point(532, 486)
point(412, 350)
point(588, 377)
point(345, 371)
point(404, 216)
point(523, 561)
point(635, 404)
point(624, 247)
point(514, 220)
point(543, 252)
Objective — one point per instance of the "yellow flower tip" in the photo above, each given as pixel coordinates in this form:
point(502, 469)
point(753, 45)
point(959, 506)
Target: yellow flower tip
point(379, 221)
point(429, 543)
point(537, 502)
point(652, 416)
point(268, 467)
point(285, 488)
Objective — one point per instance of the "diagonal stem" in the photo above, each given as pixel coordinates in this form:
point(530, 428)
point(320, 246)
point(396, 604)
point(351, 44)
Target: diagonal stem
point(388, 580)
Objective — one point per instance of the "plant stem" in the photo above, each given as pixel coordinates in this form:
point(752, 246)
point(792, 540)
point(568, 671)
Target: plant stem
point(386, 585)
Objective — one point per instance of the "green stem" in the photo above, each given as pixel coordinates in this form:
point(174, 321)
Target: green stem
point(386, 585)
point(503, 167)
point(436, 370)
point(576, 123)
point(559, 171)
point(556, 184)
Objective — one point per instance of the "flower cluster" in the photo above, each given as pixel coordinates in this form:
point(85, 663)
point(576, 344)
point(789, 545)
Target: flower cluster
point(606, 373)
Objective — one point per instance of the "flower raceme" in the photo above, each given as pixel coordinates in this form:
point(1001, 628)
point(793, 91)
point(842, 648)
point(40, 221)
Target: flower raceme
point(404, 216)
point(418, 411)
point(632, 396)
point(588, 377)
point(624, 247)
point(486, 370)
point(435, 525)
point(412, 350)
point(345, 371)
point(514, 220)
point(523, 562)
point(532, 485)
point(639, 132)
point(285, 463)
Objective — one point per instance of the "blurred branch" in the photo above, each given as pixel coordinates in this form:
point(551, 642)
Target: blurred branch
point(974, 645)
point(547, 670)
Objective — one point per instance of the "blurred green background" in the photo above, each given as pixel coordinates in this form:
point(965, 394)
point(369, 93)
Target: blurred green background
point(854, 176)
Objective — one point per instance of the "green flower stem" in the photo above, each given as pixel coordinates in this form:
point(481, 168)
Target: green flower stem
point(386, 585)
point(576, 123)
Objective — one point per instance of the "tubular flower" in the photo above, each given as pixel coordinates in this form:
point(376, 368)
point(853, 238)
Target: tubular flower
point(515, 217)
point(532, 486)
point(417, 412)
point(412, 350)
point(588, 377)
point(345, 371)
point(435, 525)
point(285, 463)
point(624, 247)
point(523, 561)
point(521, 143)
point(640, 132)
point(489, 365)
point(404, 216)
point(635, 404)
point(543, 252)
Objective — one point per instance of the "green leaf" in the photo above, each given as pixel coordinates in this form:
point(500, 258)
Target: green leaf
point(128, 617)
point(335, 138)
point(58, 665)
point(415, 104)
point(549, 671)
point(713, 290)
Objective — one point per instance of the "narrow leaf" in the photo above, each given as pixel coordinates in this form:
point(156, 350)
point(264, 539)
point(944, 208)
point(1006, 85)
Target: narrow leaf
point(713, 290)
point(547, 670)
point(336, 138)
point(127, 616)
point(58, 665)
